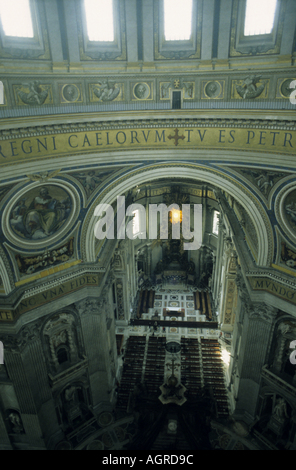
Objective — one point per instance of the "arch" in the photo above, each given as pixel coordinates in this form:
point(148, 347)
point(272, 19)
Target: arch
point(196, 172)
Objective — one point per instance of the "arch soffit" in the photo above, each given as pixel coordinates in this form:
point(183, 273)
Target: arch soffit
point(182, 171)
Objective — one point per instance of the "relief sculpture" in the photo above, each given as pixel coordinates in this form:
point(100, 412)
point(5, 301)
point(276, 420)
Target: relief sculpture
point(36, 94)
point(106, 91)
point(250, 88)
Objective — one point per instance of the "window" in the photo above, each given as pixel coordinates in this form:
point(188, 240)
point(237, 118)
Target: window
point(176, 100)
point(99, 20)
point(62, 355)
point(215, 229)
point(259, 17)
point(177, 20)
point(16, 18)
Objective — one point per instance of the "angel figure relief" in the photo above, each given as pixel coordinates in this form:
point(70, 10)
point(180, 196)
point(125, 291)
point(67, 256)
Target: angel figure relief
point(107, 92)
point(250, 88)
point(35, 96)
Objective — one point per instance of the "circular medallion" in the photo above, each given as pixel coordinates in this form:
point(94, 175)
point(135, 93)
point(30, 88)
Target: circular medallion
point(107, 440)
point(289, 207)
point(285, 210)
point(173, 347)
point(285, 88)
point(64, 445)
point(105, 419)
point(95, 445)
point(41, 214)
point(141, 91)
point(71, 93)
point(213, 89)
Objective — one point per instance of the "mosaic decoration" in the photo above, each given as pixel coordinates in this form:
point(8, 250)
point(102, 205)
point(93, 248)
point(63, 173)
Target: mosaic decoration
point(190, 304)
point(40, 212)
point(4, 191)
point(32, 264)
point(192, 331)
point(174, 297)
point(290, 209)
point(288, 256)
point(263, 180)
point(173, 330)
point(90, 180)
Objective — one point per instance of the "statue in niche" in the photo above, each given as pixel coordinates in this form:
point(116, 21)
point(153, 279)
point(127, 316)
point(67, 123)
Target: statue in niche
point(250, 88)
point(107, 92)
point(36, 95)
point(70, 394)
point(59, 338)
point(74, 407)
point(16, 423)
point(280, 410)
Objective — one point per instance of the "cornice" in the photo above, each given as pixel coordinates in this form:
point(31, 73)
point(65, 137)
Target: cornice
point(282, 279)
point(23, 293)
point(17, 129)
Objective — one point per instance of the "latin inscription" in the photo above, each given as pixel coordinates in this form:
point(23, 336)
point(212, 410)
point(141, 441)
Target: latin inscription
point(274, 288)
point(38, 147)
point(51, 294)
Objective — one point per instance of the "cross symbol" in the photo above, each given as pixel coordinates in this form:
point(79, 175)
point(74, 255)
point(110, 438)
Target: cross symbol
point(176, 137)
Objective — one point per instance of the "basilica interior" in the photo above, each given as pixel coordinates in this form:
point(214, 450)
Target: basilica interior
point(127, 329)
